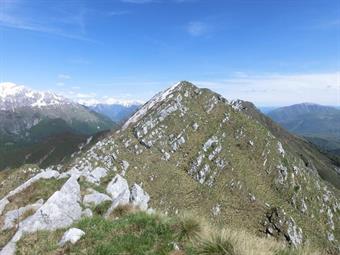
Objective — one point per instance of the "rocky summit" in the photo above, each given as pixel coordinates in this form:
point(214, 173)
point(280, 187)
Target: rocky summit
point(186, 150)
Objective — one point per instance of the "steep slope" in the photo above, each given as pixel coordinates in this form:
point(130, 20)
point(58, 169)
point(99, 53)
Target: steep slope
point(118, 113)
point(319, 124)
point(192, 150)
point(53, 150)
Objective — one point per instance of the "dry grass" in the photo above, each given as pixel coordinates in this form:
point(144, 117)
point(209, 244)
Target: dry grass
point(122, 210)
point(245, 243)
point(240, 242)
point(190, 227)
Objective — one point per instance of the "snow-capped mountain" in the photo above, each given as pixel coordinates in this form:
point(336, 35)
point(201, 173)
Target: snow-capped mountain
point(23, 109)
point(13, 96)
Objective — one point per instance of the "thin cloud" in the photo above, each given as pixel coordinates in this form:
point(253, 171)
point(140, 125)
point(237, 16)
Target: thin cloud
point(13, 16)
point(64, 76)
point(279, 89)
point(197, 28)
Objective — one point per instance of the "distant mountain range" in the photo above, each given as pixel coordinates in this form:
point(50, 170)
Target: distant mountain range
point(116, 112)
point(319, 124)
point(32, 118)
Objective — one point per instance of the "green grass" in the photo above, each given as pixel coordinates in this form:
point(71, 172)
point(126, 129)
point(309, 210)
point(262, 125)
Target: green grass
point(134, 234)
point(140, 233)
point(41, 189)
point(102, 208)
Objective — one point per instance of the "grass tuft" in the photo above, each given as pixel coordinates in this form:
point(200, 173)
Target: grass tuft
point(102, 208)
point(122, 210)
point(217, 245)
point(190, 227)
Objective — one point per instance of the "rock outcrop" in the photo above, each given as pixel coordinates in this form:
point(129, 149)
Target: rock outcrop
point(72, 235)
point(11, 217)
point(59, 211)
point(139, 197)
point(95, 198)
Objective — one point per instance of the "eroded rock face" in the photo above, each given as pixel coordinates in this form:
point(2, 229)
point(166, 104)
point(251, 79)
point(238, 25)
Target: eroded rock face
point(95, 198)
point(59, 211)
point(277, 224)
point(139, 197)
point(72, 235)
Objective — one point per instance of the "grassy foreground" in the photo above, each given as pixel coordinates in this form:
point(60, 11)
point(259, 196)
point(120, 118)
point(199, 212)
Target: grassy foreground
point(139, 233)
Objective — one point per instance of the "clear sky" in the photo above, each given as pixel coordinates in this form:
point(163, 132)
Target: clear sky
point(271, 52)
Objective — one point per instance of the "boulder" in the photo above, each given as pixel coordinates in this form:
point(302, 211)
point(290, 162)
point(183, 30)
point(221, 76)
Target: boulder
point(96, 175)
point(72, 235)
point(119, 191)
point(95, 198)
point(139, 197)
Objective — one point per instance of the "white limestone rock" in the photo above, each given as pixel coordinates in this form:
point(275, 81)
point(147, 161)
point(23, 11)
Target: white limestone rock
point(280, 149)
point(139, 197)
point(216, 210)
point(12, 216)
point(294, 233)
point(59, 211)
point(213, 140)
point(96, 175)
point(45, 174)
point(95, 198)
point(3, 203)
point(119, 191)
point(72, 235)
point(282, 174)
point(118, 188)
point(87, 213)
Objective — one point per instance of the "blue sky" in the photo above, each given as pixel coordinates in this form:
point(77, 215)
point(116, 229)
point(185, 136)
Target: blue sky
point(271, 52)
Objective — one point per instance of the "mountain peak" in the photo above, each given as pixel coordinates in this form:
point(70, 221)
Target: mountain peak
point(158, 98)
point(13, 96)
point(10, 89)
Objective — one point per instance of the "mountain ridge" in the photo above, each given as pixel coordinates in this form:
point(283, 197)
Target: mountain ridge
point(190, 149)
point(317, 123)
point(147, 134)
